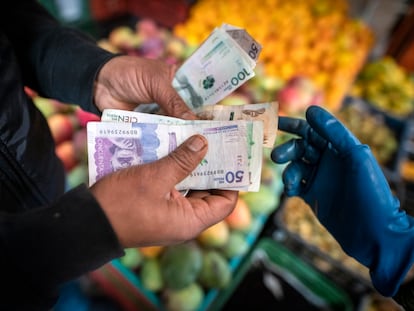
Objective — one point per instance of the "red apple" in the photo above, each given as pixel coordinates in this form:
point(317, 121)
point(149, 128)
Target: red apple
point(298, 94)
point(62, 126)
point(84, 117)
point(66, 153)
point(45, 105)
point(240, 218)
point(80, 144)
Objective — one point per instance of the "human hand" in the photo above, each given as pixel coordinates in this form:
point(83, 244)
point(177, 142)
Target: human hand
point(144, 208)
point(126, 81)
point(342, 182)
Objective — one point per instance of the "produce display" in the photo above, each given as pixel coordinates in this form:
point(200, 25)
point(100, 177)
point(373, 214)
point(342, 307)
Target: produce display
point(298, 218)
point(188, 275)
point(387, 86)
point(370, 129)
point(313, 51)
point(317, 39)
point(68, 127)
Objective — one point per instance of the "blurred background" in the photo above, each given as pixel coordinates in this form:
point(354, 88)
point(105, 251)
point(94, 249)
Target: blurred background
point(353, 57)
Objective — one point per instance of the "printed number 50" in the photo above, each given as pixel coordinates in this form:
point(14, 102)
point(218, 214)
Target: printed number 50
point(232, 177)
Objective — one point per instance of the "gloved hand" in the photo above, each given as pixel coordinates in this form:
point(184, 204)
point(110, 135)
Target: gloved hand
point(342, 182)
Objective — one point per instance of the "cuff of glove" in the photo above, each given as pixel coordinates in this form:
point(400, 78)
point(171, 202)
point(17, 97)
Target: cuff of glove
point(395, 257)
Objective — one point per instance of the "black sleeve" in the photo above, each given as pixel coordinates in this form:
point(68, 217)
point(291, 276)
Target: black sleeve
point(405, 295)
point(36, 262)
point(57, 61)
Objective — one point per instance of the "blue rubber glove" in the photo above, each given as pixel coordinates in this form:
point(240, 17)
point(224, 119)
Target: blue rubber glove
point(342, 182)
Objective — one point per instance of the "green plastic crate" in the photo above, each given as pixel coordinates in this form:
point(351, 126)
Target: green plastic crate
point(320, 292)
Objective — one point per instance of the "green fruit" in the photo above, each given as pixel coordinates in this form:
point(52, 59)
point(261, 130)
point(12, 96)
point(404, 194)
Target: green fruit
point(188, 298)
point(215, 271)
point(236, 245)
point(181, 264)
point(76, 176)
point(264, 201)
point(132, 258)
point(45, 105)
point(151, 275)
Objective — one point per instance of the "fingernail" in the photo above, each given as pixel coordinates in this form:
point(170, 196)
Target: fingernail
point(188, 116)
point(196, 143)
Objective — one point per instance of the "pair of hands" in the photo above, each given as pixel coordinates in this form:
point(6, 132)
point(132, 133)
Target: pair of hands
point(141, 202)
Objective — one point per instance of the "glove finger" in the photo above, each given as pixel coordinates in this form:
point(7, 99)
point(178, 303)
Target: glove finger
point(295, 177)
point(286, 152)
point(295, 149)
point(294, 126)
point(331, 129)
point(301, 128)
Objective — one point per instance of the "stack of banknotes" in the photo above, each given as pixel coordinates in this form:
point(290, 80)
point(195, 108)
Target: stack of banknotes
point(236, 134)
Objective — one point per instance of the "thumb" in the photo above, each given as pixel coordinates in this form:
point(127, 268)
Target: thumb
point(184, 159)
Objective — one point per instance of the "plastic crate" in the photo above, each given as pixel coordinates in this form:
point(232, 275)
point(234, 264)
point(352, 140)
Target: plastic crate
point(341, 269)
point(274, 278)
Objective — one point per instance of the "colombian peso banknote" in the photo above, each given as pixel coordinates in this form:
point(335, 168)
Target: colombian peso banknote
point(254, 137)
point(265, 112)
point(222, 63)
point(113, 146)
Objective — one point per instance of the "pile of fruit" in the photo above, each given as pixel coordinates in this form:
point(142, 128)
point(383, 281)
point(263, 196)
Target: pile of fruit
point(297, 217)
point(180, 276)
point(148, 40)
point(313, 38)
point(386, 85)
point(68, 126)
point(372, 130)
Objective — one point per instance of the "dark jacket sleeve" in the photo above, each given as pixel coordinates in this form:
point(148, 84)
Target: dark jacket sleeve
point(57, 61)
point(37, 262)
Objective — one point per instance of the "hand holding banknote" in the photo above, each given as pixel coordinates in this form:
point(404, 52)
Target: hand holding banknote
point(144, 208)
point(125, 82)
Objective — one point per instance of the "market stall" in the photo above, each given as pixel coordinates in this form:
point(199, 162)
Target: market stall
point(271, 250)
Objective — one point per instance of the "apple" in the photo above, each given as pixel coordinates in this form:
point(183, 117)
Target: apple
point(124, 37)
point(147, 28)
point(176, 47)
point(240, 218)
point(84, 116)
point(62, 126)
point(30, 92)
point(215, 236)
point(81, 145)
point(66, 153)
point(297, 94)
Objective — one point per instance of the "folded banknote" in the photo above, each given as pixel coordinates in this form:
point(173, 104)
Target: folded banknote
point(113, 146)
point(266, 112)
point(221, 64)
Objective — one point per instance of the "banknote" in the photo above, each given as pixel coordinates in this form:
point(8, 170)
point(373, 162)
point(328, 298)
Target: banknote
point(265, 112)
point(244, 40)
point(113, 146)
point(218, 67)
point(254, 136)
